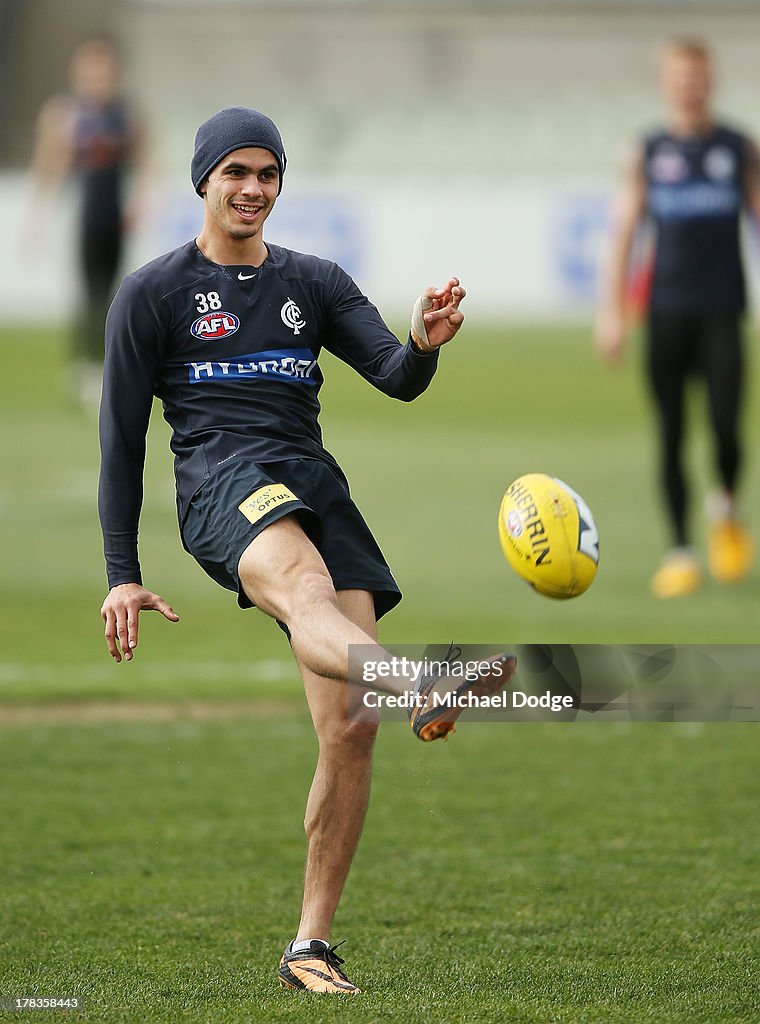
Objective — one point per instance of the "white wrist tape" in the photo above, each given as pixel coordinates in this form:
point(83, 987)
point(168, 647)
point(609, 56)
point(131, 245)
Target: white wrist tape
point(419, 332)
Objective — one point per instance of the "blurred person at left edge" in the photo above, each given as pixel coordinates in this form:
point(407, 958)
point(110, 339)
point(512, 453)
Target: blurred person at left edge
point(92, 132)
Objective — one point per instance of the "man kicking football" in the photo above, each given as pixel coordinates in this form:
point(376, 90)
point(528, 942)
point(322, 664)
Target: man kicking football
point(227, 332)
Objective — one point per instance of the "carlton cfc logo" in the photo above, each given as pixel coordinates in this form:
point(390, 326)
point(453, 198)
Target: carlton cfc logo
point(212, 326)
point(292, 316)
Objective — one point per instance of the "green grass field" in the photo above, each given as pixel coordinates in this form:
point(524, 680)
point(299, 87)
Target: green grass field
point(152, 847)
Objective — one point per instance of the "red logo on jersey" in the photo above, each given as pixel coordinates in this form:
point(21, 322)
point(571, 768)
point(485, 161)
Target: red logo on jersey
point(212, 326)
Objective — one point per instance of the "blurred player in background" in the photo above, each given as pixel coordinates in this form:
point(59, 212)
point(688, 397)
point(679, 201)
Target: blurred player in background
point(691, 179)
point(94, 133)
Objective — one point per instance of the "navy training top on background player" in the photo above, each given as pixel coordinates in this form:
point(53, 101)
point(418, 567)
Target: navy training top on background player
point(232, 352)
point(695, 192)
point(102, 145)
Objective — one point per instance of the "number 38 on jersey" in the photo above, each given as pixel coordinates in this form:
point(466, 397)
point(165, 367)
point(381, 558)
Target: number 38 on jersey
point(215, 323)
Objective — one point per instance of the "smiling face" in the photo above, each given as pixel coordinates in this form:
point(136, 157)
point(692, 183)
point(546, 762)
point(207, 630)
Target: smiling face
point(239, 194)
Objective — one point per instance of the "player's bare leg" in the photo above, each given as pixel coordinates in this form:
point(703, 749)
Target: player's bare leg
point(284, 574)
point(335, 812)
point(286, 577)
point(339, 794)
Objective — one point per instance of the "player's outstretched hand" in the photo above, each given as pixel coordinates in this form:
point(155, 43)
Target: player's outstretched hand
point(120, 612)
point(436, 317)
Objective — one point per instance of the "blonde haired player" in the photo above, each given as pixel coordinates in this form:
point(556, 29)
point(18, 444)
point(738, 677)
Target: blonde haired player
point(692, 180)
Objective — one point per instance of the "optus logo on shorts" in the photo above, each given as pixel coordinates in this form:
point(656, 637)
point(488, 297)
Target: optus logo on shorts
point(263, 500)
point(212, 326)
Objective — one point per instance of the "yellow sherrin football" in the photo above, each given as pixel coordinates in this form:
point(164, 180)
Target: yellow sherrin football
point(549, 536)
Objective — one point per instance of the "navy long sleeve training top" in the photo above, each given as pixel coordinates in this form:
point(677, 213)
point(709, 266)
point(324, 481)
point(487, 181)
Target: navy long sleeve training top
point(233, 354)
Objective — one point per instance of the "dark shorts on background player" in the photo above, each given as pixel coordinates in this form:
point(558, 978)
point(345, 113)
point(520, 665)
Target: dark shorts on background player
point(242, 498)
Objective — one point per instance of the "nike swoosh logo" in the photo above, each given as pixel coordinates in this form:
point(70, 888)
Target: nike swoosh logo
point(245, 277)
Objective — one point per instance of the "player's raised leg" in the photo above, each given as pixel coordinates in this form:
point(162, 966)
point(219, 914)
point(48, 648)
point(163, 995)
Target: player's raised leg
point(335, 813)
point(285, 576)
point(282, 572)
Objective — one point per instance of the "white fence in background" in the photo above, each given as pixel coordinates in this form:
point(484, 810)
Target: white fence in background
point(524, 249)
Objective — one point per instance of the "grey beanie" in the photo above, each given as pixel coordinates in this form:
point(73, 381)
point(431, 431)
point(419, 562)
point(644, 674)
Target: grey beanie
point(230, 129)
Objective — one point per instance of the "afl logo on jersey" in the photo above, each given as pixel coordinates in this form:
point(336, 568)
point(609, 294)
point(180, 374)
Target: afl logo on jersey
point(668, 165)
point(213, 326)
point(514, 524)
point(292, 317)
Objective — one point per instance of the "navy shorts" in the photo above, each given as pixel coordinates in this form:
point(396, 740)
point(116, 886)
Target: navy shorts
point(242, 498)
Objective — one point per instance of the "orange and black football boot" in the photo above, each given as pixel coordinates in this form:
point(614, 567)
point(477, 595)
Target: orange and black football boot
point(434, 720)
point(317, 969)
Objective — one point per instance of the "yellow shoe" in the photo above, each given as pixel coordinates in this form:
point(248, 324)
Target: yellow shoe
point(729, 551)
point(678, 576)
